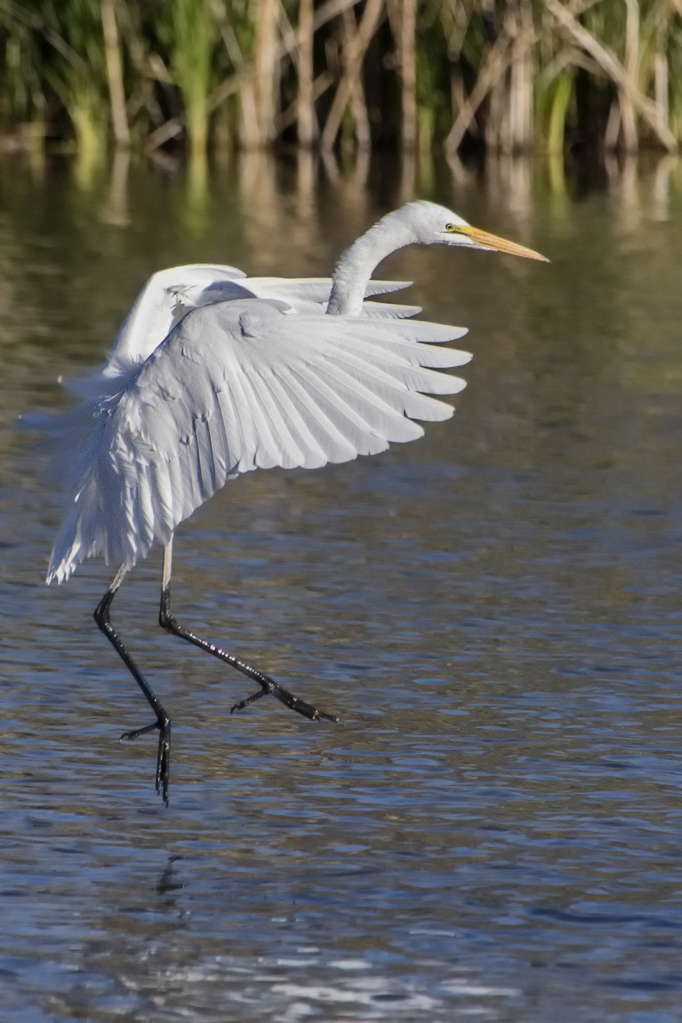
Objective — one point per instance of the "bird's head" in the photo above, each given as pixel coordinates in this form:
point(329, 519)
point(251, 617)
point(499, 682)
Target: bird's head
point(436, 225)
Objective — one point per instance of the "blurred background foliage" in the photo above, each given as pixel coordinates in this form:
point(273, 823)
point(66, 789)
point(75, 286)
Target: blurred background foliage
point(499, 75)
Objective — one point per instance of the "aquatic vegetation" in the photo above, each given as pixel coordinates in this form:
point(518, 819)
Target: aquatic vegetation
point(509, 75)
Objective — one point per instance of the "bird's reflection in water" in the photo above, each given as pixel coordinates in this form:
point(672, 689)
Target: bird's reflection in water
point(168, 882)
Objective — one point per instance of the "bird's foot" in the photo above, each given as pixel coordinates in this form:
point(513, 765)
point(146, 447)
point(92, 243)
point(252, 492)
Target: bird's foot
point(163, 756)
point(272, 688)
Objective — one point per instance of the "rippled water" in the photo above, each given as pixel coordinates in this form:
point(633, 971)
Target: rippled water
point(494, 828)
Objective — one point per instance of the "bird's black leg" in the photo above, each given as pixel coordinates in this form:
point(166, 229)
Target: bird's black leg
point(268, 685)
point(162, 722)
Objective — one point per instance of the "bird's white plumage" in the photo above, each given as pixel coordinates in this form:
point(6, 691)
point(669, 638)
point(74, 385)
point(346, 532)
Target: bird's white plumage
point(213, 374)
point(236, 386)
point(169, 295)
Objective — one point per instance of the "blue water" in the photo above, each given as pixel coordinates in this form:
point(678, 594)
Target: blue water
point(494, 828)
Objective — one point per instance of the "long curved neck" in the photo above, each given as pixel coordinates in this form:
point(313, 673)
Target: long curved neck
point(357, 264)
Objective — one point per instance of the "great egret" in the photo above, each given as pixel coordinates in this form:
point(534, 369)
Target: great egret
point(214, 374)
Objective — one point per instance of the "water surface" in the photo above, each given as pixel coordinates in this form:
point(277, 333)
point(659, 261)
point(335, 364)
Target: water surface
point(494, 828)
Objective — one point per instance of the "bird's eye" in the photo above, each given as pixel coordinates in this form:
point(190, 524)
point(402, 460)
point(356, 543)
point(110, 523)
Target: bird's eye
point(451, 228)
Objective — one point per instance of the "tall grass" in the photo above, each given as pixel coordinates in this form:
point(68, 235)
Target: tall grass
point(507, 75)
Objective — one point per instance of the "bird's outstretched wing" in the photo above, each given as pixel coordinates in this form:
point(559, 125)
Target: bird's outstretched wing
point(169, 295)
point(237, 386)
point(161, 304)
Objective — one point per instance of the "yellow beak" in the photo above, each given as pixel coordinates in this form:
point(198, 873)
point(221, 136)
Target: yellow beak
point(485, 240)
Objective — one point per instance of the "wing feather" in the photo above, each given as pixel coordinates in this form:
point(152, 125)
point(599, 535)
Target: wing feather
point(246, 443)
point(269, 451)
point(319, 445)
point(291, 452)
point(330, 410)
point(369, 410)
point(324, 421)
point(392, 372)
point(414, 354)
point(236, 386)
point(219, 438)
point(311, 289)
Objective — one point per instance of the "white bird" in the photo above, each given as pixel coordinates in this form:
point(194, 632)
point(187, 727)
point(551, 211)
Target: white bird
point(213, 374)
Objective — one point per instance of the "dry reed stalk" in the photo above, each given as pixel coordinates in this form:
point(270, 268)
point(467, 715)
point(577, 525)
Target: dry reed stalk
point(495, 65)
point(661, 88)
point(661, 79)
point(455, 16)
point(307, 121)
point(242, 78)
point(289, 115)
point(497, 118)
point(408, 73)
point(615, 71)
point(521, 102)
point(164, 133)
point(509, 124)
point(495, 127)
point(630, 66)
point(112, 52)
point(357, 103)
point(360, 42)
point(241, 83)
point(248, 132)
point(265, 70)
point(613, 125)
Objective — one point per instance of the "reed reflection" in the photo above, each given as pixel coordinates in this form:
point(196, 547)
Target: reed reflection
point(509, 181)
point(664, 170)
point(115, 210)
point(408, 176)
point(262, 209)
point(196, 205)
